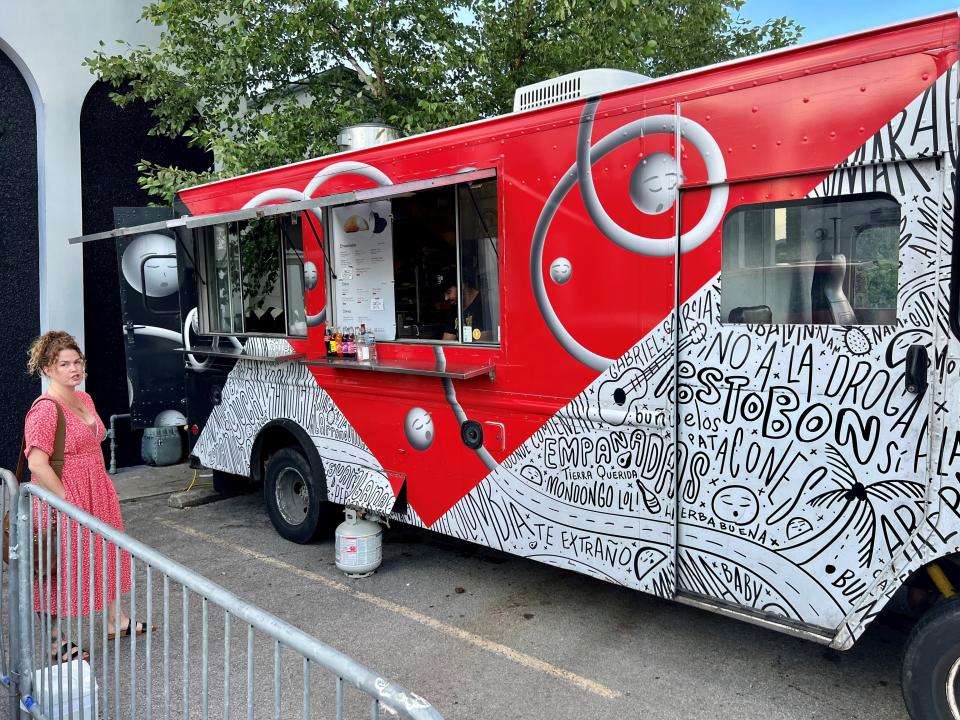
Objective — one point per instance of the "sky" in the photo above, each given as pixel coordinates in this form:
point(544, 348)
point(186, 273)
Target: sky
point(829, 18)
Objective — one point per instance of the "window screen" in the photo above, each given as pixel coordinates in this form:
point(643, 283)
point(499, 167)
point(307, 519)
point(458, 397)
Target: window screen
point(253, 274)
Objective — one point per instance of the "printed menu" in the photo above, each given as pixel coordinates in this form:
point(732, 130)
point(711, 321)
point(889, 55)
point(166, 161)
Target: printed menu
point(363, 263)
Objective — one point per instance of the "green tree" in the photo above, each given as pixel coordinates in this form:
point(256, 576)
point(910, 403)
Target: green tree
point(875, 251)
point(266, 82)
point(524, 41)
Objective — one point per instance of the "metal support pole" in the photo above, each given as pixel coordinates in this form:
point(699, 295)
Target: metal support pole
point(20, 562)
point(13, 667)
point(113, 440)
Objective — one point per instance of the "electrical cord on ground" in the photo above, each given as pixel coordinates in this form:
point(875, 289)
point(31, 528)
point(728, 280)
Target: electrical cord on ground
point(196, 476)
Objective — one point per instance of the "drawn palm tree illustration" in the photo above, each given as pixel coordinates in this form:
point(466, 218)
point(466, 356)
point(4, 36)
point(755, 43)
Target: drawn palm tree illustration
point(853, 503)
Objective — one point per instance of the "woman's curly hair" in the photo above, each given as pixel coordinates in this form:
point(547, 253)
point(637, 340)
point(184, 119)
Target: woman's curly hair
point(47, 348)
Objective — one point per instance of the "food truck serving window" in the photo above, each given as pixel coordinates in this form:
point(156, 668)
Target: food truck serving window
point(419, 266)
point(822, 261)
point(252, 273)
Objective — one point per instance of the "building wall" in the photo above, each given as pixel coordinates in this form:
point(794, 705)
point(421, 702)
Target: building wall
point(65, 173)
point(49, 40)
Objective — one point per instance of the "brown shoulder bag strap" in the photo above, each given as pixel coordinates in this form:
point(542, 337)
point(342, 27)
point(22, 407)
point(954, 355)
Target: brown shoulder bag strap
point(59, 442)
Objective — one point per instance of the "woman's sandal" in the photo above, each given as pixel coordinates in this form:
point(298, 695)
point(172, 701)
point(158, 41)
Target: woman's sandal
point(69, 651)
point(139, 628)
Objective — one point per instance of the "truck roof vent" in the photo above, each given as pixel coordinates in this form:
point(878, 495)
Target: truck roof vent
point(364, 135)
point(584, 83)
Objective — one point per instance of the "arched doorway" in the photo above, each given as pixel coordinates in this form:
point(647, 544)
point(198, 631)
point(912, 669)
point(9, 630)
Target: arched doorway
point(19, 251)
point(112, 141)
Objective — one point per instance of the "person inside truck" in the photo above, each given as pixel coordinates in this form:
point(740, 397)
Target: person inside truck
point(473, 311)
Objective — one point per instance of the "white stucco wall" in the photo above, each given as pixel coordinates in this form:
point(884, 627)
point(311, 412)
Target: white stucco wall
point(48, 41)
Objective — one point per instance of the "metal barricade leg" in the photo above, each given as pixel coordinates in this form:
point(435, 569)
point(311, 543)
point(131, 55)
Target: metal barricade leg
point(9, 506)
point(20, 563)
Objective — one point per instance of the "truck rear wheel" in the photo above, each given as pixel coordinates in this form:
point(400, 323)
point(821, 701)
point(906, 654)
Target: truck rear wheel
point(294, 497)
point(931, 664)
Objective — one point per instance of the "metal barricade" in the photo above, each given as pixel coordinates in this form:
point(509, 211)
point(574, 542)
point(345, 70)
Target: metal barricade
point(58, 601)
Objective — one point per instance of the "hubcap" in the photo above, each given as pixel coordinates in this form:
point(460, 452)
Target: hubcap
point(952, 689)
point(292, 496)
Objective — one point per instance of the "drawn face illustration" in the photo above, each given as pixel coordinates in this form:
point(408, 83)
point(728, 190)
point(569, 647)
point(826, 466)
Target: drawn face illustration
point(736, 504)
point(798, 526)
point(418, 427)
point(653, 182)
point(160, 273)
point(561, 270)
point(310, 275)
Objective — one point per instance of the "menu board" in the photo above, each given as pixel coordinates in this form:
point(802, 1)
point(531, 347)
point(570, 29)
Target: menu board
point(363, 263)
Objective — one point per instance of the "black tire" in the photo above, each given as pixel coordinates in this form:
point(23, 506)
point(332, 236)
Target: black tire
point(295, 497)
point(931, 664)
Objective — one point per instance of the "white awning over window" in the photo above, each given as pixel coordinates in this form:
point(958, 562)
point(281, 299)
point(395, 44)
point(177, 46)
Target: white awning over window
point(382, 192)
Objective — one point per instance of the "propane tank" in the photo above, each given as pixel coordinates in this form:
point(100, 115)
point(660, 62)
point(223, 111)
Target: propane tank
point(359, 545)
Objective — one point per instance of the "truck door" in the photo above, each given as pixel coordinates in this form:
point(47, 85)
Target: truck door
point(149, 303)
point(626, 416)
point(802, 414)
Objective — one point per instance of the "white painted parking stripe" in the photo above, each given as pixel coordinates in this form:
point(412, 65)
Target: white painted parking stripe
point(466, 636)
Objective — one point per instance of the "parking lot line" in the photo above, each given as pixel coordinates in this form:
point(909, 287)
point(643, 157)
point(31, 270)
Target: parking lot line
point(466, 636)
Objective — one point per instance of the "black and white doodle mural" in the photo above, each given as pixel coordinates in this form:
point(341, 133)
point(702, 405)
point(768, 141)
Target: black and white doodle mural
point(257, 393)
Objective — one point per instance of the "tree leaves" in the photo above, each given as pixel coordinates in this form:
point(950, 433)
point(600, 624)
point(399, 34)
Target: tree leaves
point(266, 82)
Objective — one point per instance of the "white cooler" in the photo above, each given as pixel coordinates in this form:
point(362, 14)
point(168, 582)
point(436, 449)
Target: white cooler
point(84, 696)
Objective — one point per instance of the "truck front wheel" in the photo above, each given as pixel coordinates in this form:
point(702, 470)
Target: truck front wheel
point(931, 664)
point(293, 495)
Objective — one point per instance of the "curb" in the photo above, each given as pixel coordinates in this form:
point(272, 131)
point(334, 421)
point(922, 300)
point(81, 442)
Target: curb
point(192, 498)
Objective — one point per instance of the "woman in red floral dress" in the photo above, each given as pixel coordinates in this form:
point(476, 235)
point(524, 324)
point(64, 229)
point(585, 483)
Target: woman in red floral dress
point(84, 483)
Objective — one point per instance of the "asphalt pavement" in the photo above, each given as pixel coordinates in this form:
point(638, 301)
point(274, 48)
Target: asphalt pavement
point(482, 634)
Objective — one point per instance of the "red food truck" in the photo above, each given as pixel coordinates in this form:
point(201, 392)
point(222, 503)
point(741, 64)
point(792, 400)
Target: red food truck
point(696, 335)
